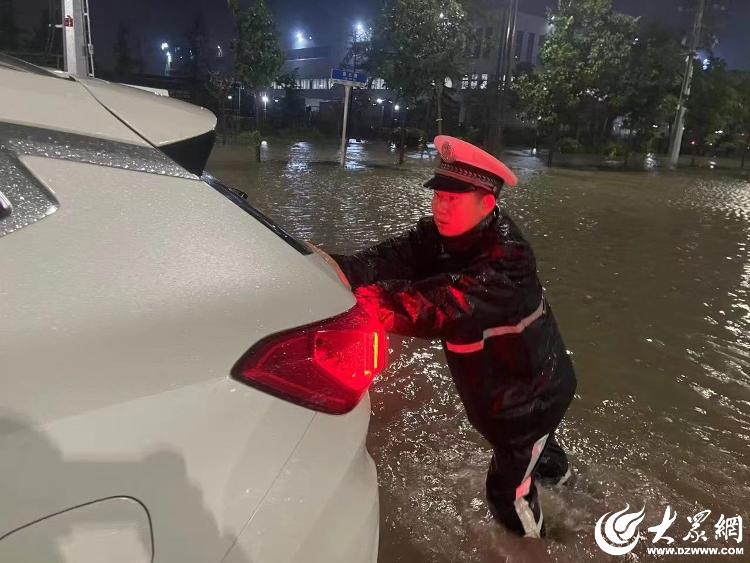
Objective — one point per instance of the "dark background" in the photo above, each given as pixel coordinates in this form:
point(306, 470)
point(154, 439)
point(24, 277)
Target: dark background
point(150, 22)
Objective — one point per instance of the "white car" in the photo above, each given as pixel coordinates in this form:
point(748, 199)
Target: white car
point(180, 380)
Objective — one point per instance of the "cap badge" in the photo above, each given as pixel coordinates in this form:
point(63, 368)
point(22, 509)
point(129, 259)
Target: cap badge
point(446, 152)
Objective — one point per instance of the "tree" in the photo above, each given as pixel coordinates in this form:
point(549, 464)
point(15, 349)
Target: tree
point(219, 88)
point(293, 104)
point(740, 111)
point(583, 59)
point(197, 65)
point(123, 60)
point(417, 44)
point(39, 41)
point(8, 30)
point(257, 53)
point(651, 81)
point(711, 103)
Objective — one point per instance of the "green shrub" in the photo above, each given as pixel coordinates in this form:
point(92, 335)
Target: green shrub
point(568, 145)
point(614, 149)
point(249, 138)
point(414, 137)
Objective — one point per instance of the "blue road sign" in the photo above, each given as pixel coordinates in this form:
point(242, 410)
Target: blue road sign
point(348, 77)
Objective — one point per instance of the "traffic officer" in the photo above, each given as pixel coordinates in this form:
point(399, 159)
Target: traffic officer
point(466, 275)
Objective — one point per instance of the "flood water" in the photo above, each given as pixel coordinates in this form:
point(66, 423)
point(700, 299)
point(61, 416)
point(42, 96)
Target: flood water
point(649, 276)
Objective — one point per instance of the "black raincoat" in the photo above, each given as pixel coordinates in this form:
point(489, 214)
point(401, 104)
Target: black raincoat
point(479, 293)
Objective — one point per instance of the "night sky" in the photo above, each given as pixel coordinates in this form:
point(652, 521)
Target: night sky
point(152, 21)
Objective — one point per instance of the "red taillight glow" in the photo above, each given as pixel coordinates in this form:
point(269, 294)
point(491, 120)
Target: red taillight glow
point(327, 366)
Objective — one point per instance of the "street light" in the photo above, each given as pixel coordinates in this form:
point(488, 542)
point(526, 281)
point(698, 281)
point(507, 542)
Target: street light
point(265, 105)
point(396, 107)
point(382, 109)
point(164, 46)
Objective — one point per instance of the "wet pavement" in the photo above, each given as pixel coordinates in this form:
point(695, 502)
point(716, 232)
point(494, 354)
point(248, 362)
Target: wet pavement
point(649, 275)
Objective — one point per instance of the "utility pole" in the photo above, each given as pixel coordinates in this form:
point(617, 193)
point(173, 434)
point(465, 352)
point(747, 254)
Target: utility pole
point(347, 95)
point(77, 46)
point(507, 71)
point(675, 141)
point(503, 72)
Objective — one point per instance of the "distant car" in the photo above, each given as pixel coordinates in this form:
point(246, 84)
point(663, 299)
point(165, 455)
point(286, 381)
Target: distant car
point(180, 379)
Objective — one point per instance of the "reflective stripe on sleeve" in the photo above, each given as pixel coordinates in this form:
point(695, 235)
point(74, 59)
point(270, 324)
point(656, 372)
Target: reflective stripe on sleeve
point(465, 348)
point(496, 331)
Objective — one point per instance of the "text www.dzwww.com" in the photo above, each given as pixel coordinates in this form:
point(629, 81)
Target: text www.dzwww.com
point(695, 550)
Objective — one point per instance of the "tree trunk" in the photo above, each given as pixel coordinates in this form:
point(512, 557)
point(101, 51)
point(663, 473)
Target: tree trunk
point(256, 113)
point(402, 148)
point(553, 142)
point(628, 148)
point(224, 125)
point(439, 96)
point(427, 116)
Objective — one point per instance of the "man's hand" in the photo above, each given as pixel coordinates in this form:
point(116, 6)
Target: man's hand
point(368, 297)
point(331, 262)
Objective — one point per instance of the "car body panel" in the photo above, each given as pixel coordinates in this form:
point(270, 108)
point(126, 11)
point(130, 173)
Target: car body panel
point(116, 530)
point(200, 458)
point(162, 281)
point(59, 104)
point(319, 512)
point(159, 119)
point(123, 314)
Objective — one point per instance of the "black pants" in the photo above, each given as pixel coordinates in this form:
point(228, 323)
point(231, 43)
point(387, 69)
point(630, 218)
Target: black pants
point(511, 482)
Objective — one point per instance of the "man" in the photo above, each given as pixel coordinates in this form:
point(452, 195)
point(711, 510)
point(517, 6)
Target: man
point(467, 276)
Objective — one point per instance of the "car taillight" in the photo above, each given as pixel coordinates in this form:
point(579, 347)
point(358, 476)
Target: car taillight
point(327, 366)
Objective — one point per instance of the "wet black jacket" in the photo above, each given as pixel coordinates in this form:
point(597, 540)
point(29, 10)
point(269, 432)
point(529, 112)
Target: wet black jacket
point(479, 293)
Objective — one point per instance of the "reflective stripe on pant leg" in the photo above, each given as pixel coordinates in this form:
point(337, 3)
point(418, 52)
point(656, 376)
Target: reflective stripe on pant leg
point(531, 527)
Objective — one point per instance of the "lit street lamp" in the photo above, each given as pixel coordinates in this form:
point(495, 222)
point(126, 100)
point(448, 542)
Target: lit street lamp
point(168, 56)
point(265, 105)
point(301, 39)
point(382, 109)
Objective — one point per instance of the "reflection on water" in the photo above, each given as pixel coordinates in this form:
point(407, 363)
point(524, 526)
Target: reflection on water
point(649, 274)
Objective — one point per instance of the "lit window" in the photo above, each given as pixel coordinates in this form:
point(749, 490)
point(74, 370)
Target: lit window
point(464, 82)
point(483, 83)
